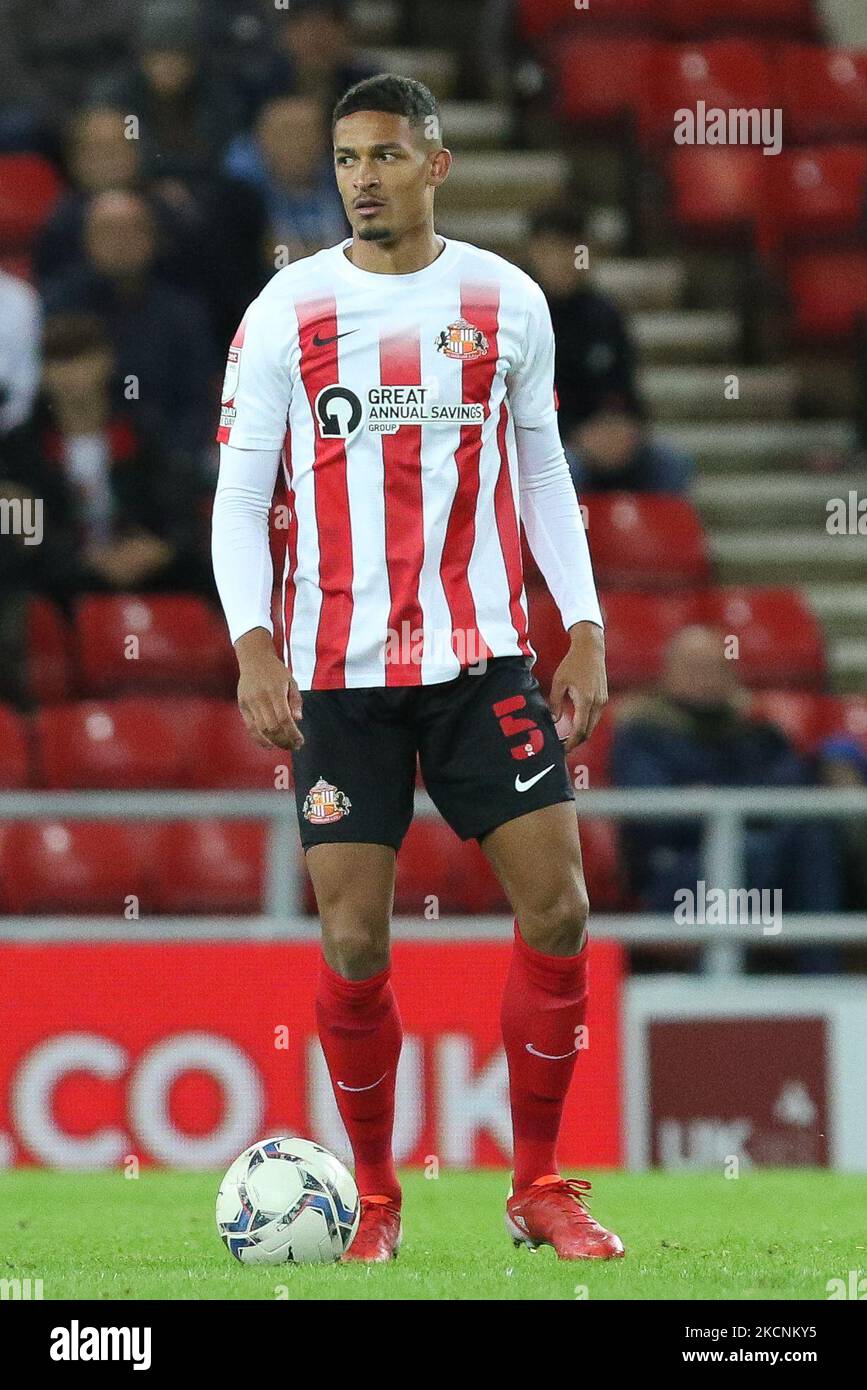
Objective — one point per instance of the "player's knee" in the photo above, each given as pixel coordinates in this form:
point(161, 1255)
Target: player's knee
point(558, 926)
point(356, 949)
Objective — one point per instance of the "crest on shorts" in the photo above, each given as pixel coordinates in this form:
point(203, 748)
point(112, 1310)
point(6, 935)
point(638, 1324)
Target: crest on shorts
point(462, 340)
point(324, 804)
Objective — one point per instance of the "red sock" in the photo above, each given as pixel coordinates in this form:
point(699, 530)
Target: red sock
point(545, 1001)
point(360, 1033)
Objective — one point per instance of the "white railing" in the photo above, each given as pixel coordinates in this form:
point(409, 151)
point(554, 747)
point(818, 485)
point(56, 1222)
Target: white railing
point(723, 811)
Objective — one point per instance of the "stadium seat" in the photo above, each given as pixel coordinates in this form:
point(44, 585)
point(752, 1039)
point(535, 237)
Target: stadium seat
point(828, 295)
point(822, 92)
point(598, 80)
point(638, 628)
point(543, 19)
point(210, 866)
point(141, 642)
point(646, 542)
point(718, 192)
point(74, 866)
point(817, 193)
point(780, 640)
point(29, 190)
point(433, 862)
point(130, 743)
point(547, 637)
point(844, 716)
point(702, 18)
point(589, 762)
point(14, 750)
point(798, 713)
point(228, 757)
point(727, 73)
point(48, 644)
point(603, 870)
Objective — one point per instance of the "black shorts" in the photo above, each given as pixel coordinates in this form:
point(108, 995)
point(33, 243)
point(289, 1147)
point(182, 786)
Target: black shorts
point(485, 741)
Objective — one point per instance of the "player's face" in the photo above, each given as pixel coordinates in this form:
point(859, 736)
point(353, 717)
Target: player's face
point(386, 172)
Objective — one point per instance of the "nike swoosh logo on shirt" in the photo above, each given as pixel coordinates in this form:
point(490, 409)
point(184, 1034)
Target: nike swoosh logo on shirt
point(548, 1056)
point(525, 786)
point(343, 1086)
point(323, 342)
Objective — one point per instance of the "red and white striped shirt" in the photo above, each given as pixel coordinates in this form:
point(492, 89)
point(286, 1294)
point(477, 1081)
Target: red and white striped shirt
point(394, 400)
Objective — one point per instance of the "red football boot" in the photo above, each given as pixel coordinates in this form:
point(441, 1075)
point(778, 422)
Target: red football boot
point(379, 1232)
point(554, 1212)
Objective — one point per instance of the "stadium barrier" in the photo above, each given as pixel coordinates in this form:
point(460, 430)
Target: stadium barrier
point(723, 811)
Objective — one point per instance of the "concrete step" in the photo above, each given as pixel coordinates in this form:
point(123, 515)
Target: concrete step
point(654, 283)
point(493, 179)
point(475, 124)
point(841, 607)
point(752, 446)
point(437, 68)
point(786, 556)
point(691, 393)
point(375, 21)
point(847, 659)
point(675, 335)
point(503, 230)
point(775, 499)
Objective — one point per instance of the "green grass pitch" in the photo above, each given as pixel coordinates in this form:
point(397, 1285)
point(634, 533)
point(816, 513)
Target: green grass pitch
point(768, 1234)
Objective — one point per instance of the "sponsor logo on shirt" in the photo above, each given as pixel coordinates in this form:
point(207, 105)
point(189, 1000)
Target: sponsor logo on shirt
point(340, 412)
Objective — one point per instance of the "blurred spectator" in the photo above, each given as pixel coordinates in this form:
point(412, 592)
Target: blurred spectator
point(694, 732)
point(603, 421)
point(160, 336)
point(19, 350)
point(119, 511)
point(288, 160)
point(185, 115)
point(309, 53)
point(843, 763)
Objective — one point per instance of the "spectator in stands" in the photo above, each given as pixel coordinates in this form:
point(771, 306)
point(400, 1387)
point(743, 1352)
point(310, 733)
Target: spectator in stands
point(694, 732)
point(288, 160)
point(120, 512)
point(309, 54)
point(843, 763)
point(160, 336)
point(185, 115)
point(603, 421)
point(19, 350)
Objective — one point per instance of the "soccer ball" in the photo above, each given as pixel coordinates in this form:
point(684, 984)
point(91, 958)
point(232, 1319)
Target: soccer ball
point(287, 1201)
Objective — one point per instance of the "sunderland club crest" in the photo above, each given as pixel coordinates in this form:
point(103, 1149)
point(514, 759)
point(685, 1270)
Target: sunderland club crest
point(324, 804)
point(462, 341)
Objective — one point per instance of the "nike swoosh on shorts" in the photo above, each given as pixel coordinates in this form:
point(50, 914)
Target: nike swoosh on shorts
point(525, 786)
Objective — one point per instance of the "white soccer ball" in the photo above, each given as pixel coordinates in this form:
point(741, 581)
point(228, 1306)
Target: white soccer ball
point(287, 1201)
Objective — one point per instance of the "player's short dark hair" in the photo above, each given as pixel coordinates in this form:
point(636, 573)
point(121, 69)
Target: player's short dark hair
point(560, 219)
point(402, 96)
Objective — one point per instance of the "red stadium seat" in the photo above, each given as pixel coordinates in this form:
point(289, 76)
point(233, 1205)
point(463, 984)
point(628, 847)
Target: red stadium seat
point(73, 867)
point(817, 193)
point(780, 640)
point(228, 757)
point(718, 191)
point(14, 750)
point(542, 19)
point(589, 762)
point(598, 80)
point(844, 716)
point(547, 636)
point(828, 294)
point(141, 642)
point(120, 744)
point(798, 713)
point(701, 18)
point(603, 870)
point(646, 542)
point(822, 92)
point(210, 866)
point(726, 73)
point(29, 190)
point(433, 862)
point(638, 628)
point(49, 648)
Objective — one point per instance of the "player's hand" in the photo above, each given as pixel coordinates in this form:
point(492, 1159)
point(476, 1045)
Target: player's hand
point(268, 697)
point(581, 676)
